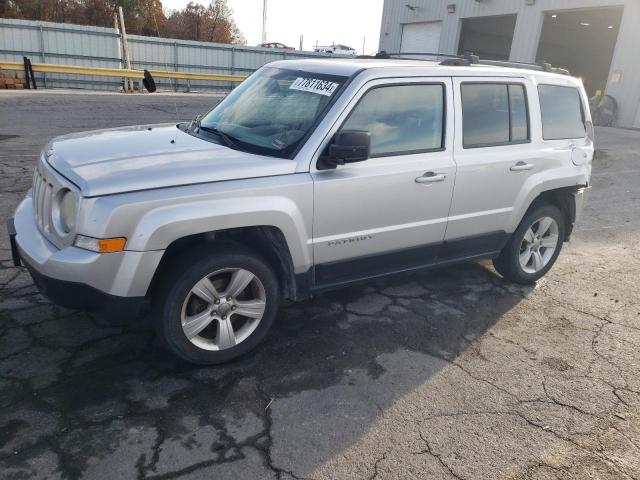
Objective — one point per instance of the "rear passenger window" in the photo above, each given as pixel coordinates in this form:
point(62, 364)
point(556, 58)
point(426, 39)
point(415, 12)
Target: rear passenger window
point(402, 119)
point(562, 114)
point(494, 114)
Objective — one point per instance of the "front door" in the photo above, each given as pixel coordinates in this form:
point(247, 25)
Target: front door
point(388, 213)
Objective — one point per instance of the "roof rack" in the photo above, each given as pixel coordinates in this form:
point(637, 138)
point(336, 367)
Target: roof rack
point(543, 66)
point(385, 55)
point(469, 58)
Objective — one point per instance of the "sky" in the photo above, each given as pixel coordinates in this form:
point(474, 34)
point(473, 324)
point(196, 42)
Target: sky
point(347, 22)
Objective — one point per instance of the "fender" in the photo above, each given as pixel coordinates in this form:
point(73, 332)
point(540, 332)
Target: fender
point(566, 176)
point(152, 220)
point(158, 228)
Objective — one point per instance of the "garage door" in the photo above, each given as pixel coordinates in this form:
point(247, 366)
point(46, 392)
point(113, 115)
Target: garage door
point(423, 37)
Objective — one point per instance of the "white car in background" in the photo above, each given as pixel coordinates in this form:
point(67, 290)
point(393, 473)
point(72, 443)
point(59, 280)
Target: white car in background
point(337, 50)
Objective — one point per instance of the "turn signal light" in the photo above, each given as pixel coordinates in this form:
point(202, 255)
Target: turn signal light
point(101, 245)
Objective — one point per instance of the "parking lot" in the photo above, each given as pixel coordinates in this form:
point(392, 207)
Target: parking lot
point(451, 373)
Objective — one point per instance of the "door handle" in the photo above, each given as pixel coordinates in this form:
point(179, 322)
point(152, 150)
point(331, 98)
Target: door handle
point(521, 167)
point(431, 177)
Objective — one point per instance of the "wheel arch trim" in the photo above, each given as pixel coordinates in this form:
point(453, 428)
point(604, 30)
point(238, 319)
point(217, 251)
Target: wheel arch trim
point(160, 227)
point(560, 192)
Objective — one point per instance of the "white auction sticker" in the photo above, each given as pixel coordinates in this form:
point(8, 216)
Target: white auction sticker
point(314, 85)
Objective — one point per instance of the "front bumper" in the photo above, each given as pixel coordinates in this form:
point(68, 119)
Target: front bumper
point(79, 278)
point(83, 297)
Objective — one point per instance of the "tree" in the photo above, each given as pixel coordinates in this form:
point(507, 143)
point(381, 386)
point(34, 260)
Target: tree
point(213, 23)
point(210, 24)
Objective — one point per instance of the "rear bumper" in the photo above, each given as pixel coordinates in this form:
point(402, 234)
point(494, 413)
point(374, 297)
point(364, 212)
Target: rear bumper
point(580, 198)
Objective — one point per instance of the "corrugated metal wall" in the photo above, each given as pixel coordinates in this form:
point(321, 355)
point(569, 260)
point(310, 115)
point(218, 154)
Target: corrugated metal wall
point(526, 35)
point(99, 47)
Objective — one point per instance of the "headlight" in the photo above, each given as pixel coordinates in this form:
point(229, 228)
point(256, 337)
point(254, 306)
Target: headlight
point(65, 211)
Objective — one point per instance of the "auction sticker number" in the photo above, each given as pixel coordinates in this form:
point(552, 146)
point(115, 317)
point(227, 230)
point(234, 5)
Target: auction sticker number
point(314, 85)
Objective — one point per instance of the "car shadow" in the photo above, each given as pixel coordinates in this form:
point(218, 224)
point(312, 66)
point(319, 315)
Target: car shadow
point(119, 379)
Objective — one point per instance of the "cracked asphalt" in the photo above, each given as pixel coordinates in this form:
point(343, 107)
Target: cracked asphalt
point(451, 373)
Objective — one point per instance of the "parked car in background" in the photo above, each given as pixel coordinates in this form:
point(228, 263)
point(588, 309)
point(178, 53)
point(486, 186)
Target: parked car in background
point(337, 50)
point(275, 45)
point(312, 174)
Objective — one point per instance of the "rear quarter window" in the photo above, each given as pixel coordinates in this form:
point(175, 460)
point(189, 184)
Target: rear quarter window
point(562, 112)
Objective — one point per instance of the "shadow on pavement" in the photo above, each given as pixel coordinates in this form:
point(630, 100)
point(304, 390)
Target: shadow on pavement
point(98, 393)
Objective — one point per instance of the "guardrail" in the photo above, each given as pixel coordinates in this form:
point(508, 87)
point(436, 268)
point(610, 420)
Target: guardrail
point(120, 72)
point(78, 45)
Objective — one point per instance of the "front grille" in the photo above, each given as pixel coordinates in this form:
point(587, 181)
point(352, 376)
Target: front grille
point(42, 197)
point(47, 184)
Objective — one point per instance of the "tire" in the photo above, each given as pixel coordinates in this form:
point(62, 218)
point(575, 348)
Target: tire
point(148, 82)
point(518, 249)
point(177, 303)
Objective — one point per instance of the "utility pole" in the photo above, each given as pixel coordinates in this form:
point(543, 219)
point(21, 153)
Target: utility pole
point(125, 45)
point(117, 28)
point(264, 21)
point(301, 41)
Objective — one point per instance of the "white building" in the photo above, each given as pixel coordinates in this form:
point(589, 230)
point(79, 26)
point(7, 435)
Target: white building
point(595, 39)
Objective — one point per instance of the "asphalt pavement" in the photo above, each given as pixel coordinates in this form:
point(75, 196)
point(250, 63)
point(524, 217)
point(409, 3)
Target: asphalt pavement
point(450, 373)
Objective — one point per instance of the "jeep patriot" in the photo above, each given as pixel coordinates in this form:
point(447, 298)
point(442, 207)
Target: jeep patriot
point(311, 174)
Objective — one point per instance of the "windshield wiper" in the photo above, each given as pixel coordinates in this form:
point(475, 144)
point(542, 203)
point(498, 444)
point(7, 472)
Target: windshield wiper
point(227, 139)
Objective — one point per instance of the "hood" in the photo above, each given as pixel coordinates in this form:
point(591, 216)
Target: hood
point(127, 159)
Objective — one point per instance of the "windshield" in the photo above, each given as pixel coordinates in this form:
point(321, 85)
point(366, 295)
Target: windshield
point(273, 110)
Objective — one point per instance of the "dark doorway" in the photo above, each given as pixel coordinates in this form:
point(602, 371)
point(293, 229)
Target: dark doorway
point(581, 41)
point(488, 37)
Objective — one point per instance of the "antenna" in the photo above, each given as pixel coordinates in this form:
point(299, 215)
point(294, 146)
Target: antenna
point(264, 21)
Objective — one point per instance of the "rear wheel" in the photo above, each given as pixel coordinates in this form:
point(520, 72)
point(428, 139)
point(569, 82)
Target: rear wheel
point(533, 247)
point(216, 306)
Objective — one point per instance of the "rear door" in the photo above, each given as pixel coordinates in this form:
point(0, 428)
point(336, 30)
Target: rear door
point(495, 156)
point(388, 213)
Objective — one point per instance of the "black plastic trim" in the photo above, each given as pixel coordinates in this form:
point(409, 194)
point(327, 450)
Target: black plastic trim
point(84, 297)
point(371, 266)
point(471, 246)
point(11, 230)
point(335, 274)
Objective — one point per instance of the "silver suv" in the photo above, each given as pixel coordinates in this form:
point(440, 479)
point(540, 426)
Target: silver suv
point(312, 174)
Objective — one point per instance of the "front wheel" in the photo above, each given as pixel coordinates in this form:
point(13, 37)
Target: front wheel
point(534, 246)
point(216, 306)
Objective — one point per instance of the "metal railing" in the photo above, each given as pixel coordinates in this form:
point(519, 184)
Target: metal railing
point(195, 65)
point(120, 72)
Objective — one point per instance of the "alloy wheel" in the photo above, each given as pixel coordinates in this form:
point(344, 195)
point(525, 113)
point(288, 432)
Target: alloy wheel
point(538, 245)
point(223, 309)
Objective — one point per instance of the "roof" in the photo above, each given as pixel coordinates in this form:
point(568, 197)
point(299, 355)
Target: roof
point(345, 66)
point(349, 66)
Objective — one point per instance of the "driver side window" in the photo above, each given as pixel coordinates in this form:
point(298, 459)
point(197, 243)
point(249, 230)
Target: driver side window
point(402, 119)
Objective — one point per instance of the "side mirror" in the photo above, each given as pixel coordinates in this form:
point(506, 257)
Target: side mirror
point(349, 146)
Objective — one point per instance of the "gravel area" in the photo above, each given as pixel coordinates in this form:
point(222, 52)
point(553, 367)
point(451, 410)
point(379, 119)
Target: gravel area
point(444, 374)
